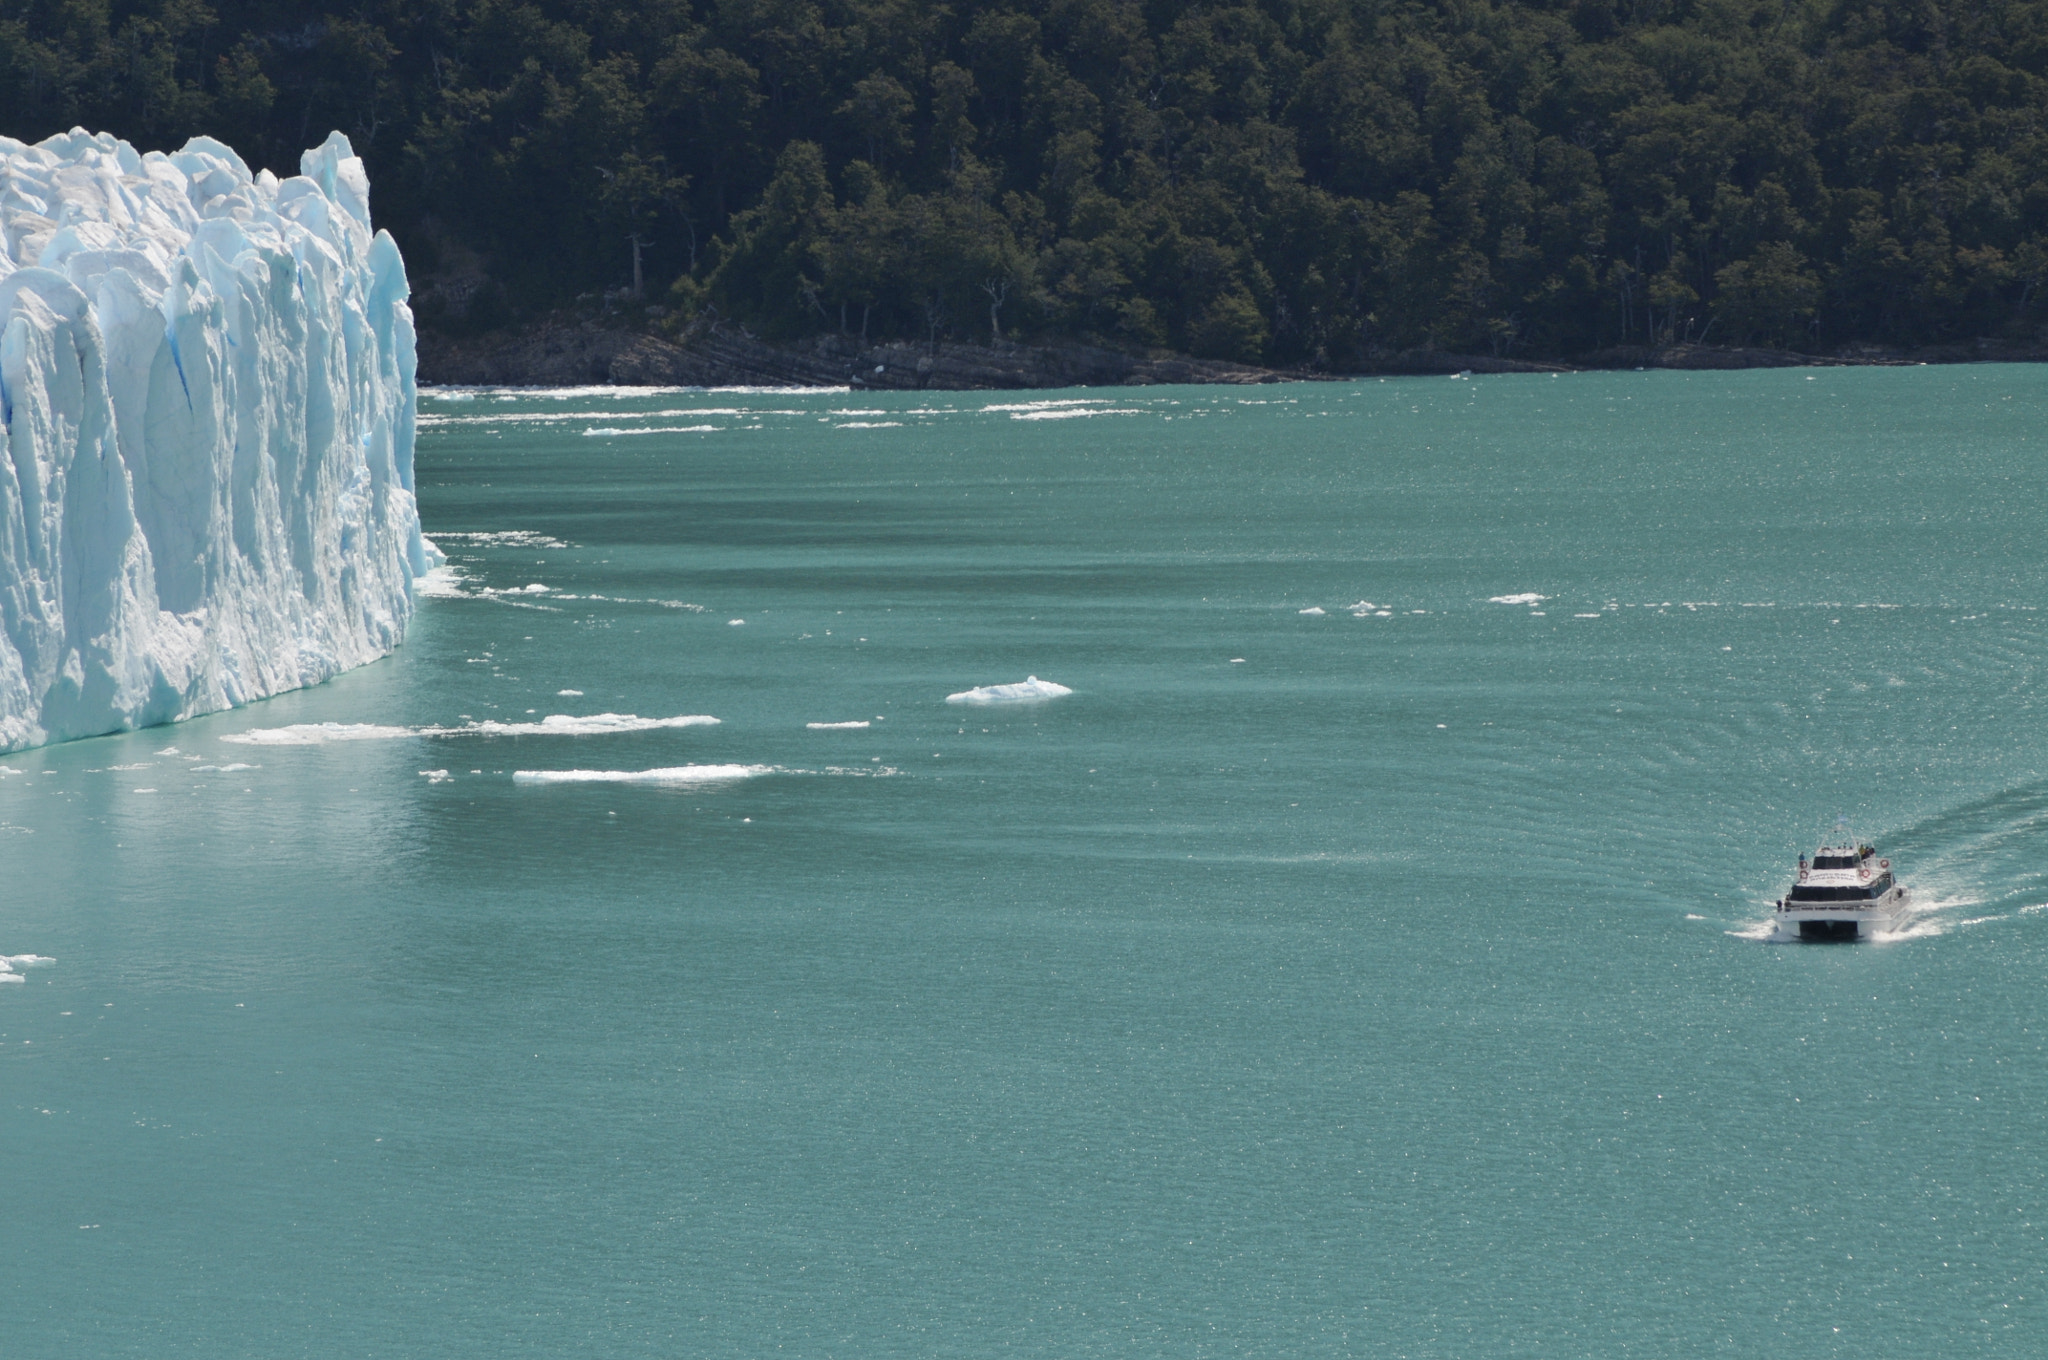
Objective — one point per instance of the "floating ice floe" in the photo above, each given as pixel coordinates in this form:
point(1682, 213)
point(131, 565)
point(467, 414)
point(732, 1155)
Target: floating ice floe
point(835, 726)
point(207, 391)
point(675, 774)
point(615, 432)
point(694, 774)
point(596, 724)
point(554, 725)
point(1024, 691)
point(10, 962)
point(442, 583)
point(319, 734)
point(501, 538)
point(1312, 609)
point(1527, 597)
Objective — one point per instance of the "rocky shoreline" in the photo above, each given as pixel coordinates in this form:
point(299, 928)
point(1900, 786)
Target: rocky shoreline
point(569, 352)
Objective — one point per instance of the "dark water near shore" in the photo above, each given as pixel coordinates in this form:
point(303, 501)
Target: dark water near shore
point(1382, 981)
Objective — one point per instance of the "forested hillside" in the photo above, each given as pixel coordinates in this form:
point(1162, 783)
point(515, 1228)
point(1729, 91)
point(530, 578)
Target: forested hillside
point(1296, 181)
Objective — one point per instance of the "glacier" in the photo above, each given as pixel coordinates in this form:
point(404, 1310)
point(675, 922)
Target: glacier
point(208, 399)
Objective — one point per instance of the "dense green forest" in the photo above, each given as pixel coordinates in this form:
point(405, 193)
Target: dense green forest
point(1296, 181)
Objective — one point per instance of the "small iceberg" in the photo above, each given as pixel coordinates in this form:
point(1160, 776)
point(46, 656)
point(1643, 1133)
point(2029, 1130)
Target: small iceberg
point(10, 962)
point(1031, 688)
point(1312, 609)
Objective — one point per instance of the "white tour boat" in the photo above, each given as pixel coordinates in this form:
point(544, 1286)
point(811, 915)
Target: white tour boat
point(1845, 893)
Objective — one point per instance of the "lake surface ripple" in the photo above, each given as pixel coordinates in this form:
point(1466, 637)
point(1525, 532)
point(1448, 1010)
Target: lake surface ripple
point(1365, 958)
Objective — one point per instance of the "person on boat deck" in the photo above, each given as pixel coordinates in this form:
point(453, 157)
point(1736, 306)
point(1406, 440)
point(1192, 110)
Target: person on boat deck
point(1802, 861)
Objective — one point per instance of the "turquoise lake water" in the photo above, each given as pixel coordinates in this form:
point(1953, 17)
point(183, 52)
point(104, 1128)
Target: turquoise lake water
point(1378, 982)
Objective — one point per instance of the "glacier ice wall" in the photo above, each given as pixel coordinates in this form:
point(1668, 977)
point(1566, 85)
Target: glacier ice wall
point(207, 400)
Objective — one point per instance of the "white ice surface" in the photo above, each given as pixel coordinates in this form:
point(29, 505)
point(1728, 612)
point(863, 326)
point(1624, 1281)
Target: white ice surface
point(554, 725)
point(207, 411)
point(674, 774)
point(1023, 691)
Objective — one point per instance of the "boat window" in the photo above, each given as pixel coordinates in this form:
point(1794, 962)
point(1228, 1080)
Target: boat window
point(1835, 861)
point(1807, 892)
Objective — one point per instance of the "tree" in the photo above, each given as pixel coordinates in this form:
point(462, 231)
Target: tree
point(1315, 184)
point(638, 191)
point(1771, 296)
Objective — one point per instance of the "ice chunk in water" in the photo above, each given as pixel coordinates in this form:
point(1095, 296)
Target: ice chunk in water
point(674, 774)
point(1024, 691)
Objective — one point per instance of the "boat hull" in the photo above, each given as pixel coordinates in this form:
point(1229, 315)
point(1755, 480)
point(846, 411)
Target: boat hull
point(1835, 923)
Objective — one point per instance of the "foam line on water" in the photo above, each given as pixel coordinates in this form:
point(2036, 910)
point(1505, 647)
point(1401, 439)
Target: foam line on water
point(1075, 415)
point(554, 725)
point(1028, 690)
point(1048, 404)
point(461, 392)
point(559, 417)
point(836, 726)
